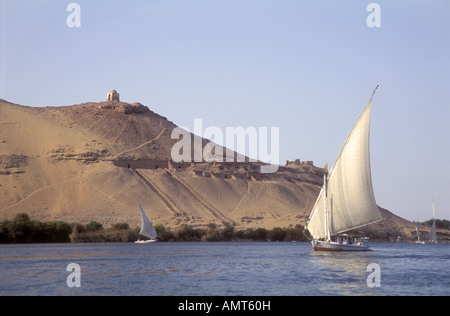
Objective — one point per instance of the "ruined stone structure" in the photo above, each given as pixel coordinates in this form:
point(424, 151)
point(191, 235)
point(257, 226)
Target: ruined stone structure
point(297, 162)
point(112, 96)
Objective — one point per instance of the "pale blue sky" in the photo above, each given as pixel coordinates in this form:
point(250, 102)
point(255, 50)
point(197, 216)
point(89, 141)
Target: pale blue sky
point(307, 67)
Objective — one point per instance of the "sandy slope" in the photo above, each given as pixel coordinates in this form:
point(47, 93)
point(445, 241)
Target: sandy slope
point(58, 163)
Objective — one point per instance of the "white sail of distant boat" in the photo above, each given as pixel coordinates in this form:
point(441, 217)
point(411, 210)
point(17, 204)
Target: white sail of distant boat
point(147, 229)
point(418, 235)
point(432, 234)
point(346, 200)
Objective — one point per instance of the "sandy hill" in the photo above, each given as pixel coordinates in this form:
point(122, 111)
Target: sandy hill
point(97, 161)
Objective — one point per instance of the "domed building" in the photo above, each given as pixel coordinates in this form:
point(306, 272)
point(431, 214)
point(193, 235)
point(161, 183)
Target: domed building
point(112, 96)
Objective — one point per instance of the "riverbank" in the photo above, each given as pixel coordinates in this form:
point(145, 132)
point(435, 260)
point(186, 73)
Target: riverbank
point(22, 229)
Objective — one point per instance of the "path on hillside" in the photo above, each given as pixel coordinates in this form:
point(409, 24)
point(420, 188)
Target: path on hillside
point(162, 196)
point(215, 212)
point(142, 145)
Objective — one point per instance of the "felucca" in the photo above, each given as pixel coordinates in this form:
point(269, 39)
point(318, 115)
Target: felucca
point(147, 229)
point(432, 239)
point(346, 200)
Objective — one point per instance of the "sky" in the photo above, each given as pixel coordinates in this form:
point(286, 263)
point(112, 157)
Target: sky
point(306, 67)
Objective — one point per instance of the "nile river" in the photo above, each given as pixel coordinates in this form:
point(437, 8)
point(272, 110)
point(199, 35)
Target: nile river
point(222, 268)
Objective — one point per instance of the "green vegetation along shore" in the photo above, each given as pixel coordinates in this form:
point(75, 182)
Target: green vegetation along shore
point(22, 229)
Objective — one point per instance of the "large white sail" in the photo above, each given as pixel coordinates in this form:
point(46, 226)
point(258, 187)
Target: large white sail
point(147, 229)
point(350, 199)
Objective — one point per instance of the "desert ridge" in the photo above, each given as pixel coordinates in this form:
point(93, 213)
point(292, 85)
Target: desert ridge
point(96, 161)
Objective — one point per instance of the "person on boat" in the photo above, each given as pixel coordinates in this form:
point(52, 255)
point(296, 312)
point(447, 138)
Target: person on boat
point(345, 242)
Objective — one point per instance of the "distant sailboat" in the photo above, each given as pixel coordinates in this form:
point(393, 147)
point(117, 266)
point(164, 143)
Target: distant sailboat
point(346, 200)
point(147, 229)
point(432, 239)
point(418, 235)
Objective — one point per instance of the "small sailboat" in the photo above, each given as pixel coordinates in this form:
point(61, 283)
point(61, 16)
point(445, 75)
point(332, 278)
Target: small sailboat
point(418, 235)
point(147, 229)
point(432, 239)
point(346, 200)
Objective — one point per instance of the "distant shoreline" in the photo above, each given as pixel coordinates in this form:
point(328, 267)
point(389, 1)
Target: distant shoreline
point(23, 230)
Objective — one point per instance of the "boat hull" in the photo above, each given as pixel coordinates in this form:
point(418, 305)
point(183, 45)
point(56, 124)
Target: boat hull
point(145, 241)
point(334, 246)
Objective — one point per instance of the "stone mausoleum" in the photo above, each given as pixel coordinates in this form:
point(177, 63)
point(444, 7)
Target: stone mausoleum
point(112, 96)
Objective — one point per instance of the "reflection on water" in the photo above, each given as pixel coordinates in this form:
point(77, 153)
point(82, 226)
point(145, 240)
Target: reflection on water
point(345, 272)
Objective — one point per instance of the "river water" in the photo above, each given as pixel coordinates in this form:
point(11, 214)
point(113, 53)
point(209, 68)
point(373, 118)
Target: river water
point(222, 268)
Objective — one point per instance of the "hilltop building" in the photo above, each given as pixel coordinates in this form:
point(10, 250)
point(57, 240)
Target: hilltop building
point(112, 96)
